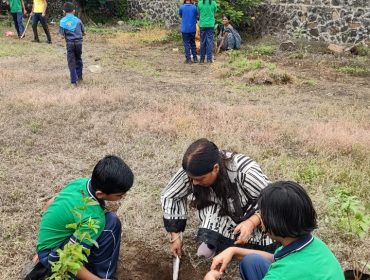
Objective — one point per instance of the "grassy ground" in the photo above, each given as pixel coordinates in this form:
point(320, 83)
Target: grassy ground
point(301, 115)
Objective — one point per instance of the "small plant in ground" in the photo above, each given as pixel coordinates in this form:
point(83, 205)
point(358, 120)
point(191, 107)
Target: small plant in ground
point(73, 256)
point(349, 215)
point(308, 172)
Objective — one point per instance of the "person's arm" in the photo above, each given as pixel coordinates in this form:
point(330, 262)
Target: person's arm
point(84, 274)
point(180, 12)
point(24, 8)
point(82, 28)
point(221, 43)
point(252, 180)
point(45, 7)
point(174, 206)
point(222, 260)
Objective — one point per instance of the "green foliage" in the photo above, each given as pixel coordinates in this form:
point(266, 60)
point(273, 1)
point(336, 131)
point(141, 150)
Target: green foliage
point(348, 213)
point(141, 23)
point(354, 70)
point(308, 171)
point(263, 50)
point(237, 10)
point(102, 10)
point(73, 256)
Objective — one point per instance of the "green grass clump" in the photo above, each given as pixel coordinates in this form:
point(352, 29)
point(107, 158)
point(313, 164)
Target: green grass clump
point(264, 50)
point(354, 70)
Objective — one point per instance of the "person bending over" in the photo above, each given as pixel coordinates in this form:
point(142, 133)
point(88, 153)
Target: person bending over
point(223, 187)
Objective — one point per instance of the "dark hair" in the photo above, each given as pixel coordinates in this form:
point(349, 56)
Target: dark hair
point(226, 16)
point(210, 2)
point(68, 7)
point(112, 175)
point(287, 210)
point(199, 159)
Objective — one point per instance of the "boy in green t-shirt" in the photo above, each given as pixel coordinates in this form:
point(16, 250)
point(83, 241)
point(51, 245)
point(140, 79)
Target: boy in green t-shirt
point(110, 181)
point(287, 216)
point(17, 9)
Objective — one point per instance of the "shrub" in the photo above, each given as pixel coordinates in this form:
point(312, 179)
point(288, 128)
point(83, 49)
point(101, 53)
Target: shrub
point(237, 10)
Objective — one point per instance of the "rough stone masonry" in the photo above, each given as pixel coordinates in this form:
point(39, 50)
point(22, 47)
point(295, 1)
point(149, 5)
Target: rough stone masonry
point(339, 21)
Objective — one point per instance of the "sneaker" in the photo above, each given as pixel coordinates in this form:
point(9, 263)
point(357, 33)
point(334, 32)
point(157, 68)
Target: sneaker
point(49, 42)
point(73, 85)
point(206, 250)
point(188, 61)
point(201, 61)
point(195, 60)
point(209, 61)
point(35, 41)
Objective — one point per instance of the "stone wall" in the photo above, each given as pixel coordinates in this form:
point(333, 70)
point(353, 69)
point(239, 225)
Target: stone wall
point(165, 11)
point(339, 21)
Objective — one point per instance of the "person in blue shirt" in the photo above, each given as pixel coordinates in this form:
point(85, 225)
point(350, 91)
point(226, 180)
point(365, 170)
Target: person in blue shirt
point(188, 13)
point(73, 30)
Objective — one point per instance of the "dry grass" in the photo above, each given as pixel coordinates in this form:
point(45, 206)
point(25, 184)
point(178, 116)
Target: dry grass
point(146, 106)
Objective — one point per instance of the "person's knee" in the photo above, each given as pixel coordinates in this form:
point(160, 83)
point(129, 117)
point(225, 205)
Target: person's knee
point(112, 222)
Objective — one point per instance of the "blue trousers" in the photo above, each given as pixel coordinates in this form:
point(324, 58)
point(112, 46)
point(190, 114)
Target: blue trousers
point(75, 65)
point(254, 267)
point(18, 22)
point(188, 40)
point(102, 261)
point(206, 43)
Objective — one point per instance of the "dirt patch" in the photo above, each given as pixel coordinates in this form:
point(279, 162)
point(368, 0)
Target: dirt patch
point(139, 262)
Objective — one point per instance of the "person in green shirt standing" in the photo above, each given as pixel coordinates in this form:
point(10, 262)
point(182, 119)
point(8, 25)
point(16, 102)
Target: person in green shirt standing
point(206, 11)
point(287, 216)
point(17, 9)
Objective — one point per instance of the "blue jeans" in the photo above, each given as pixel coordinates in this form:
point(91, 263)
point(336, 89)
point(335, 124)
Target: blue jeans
point(102, 261)
point(254, 267)
point(206, 43)
point(189, 45)
point(75, 65)
point(18, 22)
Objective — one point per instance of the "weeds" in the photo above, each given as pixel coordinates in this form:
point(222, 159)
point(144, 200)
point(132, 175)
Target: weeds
point(354, 70)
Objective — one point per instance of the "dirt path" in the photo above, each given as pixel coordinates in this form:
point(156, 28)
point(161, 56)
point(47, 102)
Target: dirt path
point(146, 106)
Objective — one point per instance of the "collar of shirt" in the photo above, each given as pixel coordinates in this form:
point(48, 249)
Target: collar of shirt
point(92, 192)
point(295, 246)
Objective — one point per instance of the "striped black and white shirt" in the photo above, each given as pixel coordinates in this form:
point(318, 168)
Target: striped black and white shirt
point(243, 172)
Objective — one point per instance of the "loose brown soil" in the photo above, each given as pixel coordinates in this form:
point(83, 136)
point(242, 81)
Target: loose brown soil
point(147, 106)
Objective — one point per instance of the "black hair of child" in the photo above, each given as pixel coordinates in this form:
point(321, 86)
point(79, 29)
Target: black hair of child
point(112, 175)
point(210, 2)
point(287, 210)
point(68, 7)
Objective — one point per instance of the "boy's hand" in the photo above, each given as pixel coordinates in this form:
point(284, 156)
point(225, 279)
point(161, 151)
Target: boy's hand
point(43, 14)
point(213, 275)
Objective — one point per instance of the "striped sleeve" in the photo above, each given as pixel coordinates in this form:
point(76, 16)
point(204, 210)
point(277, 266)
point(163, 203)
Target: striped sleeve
point(174, 202)
point(251, 177)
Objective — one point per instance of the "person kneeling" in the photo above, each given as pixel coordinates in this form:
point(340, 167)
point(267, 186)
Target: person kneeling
point(288, 217)
point(110, 181)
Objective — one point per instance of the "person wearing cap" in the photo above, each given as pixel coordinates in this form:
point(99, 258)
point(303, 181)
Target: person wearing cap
point(223, 186)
